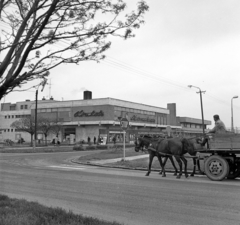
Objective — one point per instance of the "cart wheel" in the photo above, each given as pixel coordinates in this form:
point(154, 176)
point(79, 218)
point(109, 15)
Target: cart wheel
point(234, 170)
point(216, 168)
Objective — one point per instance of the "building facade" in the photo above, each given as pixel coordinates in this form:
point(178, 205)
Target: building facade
point(95, 119)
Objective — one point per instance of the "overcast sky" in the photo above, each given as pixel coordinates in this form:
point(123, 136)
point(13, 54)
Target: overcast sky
point(183, 42)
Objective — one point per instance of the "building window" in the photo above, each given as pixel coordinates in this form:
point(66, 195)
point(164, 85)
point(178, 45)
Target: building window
point(9, 117)
point(12, 107)
point(11, 130)
point(26, 106)
point(164, 120)
point(12, 116)
point(5, 117)
point(21, 107)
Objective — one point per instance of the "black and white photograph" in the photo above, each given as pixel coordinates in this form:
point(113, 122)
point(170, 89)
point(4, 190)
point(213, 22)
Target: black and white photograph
point(119, 112)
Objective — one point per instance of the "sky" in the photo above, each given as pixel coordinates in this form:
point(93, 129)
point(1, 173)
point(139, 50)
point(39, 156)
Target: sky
point(183, 42)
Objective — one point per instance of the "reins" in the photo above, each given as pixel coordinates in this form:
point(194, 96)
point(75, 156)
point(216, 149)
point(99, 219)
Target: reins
point(165, 154)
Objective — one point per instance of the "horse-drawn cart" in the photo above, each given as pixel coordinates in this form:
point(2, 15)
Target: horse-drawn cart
point(223, 156)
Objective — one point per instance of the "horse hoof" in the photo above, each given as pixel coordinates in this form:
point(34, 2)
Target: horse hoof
point(192, 175)
point(164, 175)
point(147, 174)
point(175, 174)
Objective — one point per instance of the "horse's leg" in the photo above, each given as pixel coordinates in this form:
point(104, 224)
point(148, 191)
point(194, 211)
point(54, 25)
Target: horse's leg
point(185, 165)
point(176, 171)
point(194, 167)
point(199, 168)
point(196, 162)
point(162, 164)
point(180, 166)
point(151, 156)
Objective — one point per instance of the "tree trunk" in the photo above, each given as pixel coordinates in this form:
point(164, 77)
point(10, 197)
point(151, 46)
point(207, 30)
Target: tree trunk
point(45, 139)
point(31, 140)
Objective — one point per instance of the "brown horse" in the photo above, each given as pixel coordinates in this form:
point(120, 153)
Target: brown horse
point(142, 143)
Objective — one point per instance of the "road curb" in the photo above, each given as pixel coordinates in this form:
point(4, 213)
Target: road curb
point(119, 167)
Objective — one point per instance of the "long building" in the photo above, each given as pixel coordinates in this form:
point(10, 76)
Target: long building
point(97, 118)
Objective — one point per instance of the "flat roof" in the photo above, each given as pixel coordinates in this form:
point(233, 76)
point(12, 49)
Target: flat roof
point(100, 101)
point(193, 120)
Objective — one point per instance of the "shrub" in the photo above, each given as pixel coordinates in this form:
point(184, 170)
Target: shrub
point(102, 147)
point(90, 147)
point(78, 147)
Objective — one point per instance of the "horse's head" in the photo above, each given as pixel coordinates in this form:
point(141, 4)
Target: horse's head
point(141, 143)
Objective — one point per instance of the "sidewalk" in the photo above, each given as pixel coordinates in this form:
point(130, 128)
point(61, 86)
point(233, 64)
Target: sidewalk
point(105, 161)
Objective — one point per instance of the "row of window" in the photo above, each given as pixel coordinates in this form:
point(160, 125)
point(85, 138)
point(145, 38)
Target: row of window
point(55, 110)
point(23, 106)
point(16, 116)
point(123, 109)
point(188, 125)
point(116, 108)
point(8, 130)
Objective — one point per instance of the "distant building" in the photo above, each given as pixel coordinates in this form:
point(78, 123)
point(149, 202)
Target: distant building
point(98, 118)
point(192, 125)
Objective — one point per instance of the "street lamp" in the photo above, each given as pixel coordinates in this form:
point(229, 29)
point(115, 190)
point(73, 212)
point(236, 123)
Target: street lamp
point(124, 123)
point(232, 128)
point(190, 86)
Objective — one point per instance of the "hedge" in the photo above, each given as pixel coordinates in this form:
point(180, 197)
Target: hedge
point(80, 147)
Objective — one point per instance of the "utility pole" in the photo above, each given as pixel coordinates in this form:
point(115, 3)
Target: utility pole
point(43, 83)
point(232, 126)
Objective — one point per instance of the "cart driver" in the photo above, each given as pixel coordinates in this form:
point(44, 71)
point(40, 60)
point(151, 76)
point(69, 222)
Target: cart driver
point(219, 128)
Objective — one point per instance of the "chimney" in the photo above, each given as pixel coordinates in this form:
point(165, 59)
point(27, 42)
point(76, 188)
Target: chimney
point(87, 95)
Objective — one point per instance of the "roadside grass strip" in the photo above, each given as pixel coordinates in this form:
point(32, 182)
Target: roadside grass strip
point(22, 212)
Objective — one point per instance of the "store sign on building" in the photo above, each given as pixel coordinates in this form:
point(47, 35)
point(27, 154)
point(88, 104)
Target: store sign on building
point(88, 114)
point(141, 119)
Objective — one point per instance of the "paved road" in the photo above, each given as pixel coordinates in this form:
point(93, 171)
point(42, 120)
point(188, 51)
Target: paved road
point(122, 195)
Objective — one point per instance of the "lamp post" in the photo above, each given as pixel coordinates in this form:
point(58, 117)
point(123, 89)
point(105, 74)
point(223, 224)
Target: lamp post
point(124, 124)
point(190, 86)
point(232, 127)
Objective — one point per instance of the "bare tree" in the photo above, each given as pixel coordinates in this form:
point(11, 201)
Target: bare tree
point(25, 125)
point(38, 35)
point(45, 125)
point(56, 127)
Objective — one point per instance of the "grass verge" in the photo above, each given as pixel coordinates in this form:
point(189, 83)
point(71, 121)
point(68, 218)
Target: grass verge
point(109, 154)
point(22, 212)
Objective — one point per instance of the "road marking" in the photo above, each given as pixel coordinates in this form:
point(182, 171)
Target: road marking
point(68, 167)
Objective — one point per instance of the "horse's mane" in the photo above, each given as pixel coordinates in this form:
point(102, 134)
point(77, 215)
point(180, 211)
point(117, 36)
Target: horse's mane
point(150, 139)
